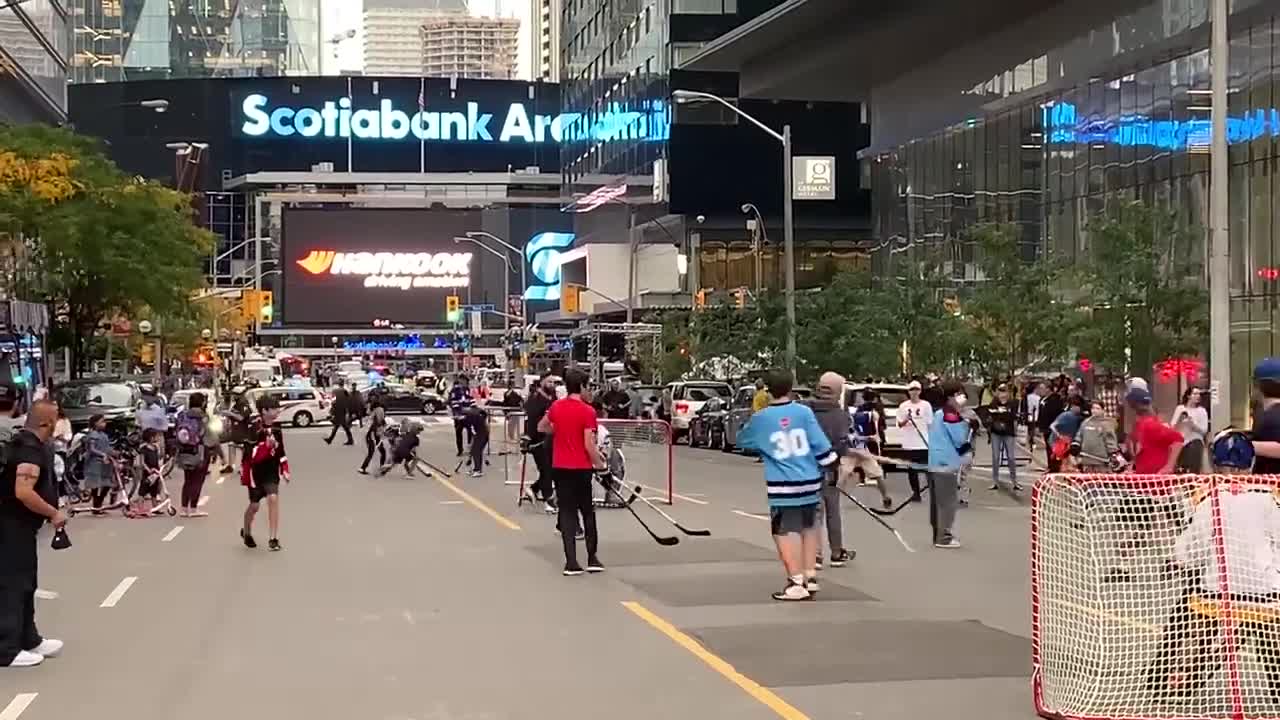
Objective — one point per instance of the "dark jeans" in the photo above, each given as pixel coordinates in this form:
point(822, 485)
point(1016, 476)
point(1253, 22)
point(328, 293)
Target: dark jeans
point(343, 423)
point(1052, 464)
point(478, 444)
point(372, 443)
point(459, 426)
point(918, 457)
point(99, 496)
point(573, 490)
point(17, 619)
point(543, 487)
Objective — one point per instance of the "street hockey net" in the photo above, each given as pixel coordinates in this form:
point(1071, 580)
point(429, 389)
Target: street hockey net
point(1132, 615)
point(650, 458)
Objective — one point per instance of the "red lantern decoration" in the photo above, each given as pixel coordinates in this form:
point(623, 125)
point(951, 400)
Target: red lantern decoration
point(1085, 364)
point(1168, 370)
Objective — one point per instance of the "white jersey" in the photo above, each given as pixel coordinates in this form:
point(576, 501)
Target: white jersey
point(1251, 540)
point(914, 419)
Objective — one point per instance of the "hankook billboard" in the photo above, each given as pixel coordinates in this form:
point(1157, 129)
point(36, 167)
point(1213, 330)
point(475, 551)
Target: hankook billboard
point(343, 267)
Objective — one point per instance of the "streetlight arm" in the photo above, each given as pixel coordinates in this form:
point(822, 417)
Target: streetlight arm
point(470, 236)
point(505, 257)
point(696, 95)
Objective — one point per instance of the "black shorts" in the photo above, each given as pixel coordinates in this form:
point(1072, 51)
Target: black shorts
point(260, 490)
point(788, 520)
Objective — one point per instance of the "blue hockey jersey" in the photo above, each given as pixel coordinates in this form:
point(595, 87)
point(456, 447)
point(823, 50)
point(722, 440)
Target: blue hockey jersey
point(794, 448)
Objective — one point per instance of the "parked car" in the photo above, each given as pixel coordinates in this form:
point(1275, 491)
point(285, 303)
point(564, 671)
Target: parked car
point(737, 416)
point(707, 427)
point(682, 400)
point(398, 398)
point(114, 399)
point(299, 406)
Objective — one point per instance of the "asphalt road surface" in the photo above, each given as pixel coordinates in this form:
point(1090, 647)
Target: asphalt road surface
point(439, 599)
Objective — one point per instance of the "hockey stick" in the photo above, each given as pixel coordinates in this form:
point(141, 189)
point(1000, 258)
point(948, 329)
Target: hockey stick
point(877, 518)
point(660, 539)
point(668, 518)
point(895, 510)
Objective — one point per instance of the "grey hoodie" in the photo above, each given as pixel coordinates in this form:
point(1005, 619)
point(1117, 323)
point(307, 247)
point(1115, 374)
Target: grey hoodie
point(835, 423)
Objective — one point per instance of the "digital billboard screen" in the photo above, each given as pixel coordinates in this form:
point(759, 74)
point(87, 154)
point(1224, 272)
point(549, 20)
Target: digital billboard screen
point(352, 267)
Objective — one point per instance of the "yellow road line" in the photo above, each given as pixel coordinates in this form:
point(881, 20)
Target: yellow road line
point(762, 694)
point(471, 500)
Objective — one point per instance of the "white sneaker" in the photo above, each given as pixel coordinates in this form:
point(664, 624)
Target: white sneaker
point(48, 648)
point(793, 592)
point(26, 658)
point(951, 544)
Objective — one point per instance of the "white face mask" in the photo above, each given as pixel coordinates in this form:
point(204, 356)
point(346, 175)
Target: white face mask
point(961, 400)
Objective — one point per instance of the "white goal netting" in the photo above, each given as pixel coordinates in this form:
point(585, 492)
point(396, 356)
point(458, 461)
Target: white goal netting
point(649, 456)
point(1156, 597)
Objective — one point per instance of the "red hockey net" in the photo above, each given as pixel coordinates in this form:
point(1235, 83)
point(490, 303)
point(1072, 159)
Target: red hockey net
point(650, 458)
point(1156, 597)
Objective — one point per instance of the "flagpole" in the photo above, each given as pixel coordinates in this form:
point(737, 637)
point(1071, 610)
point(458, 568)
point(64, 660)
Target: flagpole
point(352, 100)
point(422, 142)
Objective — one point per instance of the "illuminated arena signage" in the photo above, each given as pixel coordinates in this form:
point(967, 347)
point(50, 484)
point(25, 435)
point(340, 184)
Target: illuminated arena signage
point(1065, 126)
point(338, 118)
point(393, 269)
point(543, 253)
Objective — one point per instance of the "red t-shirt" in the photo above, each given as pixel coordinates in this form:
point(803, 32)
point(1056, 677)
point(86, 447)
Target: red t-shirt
point(571, 418)
point(1153, 439)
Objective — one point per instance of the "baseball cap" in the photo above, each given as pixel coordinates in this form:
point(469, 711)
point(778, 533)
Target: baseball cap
point(830, 386)
point(913, 385)
point(1267, 369)
point(1138, 396)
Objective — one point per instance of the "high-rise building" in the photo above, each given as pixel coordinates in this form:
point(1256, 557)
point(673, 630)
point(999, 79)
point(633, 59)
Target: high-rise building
point(544, 39)
point(142, 39)
point(34, 39)
point(470, 47)
point(393, 33)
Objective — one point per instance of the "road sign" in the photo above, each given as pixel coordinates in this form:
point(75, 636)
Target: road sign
point(813, 177)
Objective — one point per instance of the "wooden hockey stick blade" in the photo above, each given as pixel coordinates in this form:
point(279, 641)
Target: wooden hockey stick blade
point(695, 533)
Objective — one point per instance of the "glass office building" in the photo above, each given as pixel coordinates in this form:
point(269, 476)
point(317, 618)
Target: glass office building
point(119, 40)
point(1123, 110)
point(35, 39)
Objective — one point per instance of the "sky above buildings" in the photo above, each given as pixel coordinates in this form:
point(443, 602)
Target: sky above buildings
point(341, 16)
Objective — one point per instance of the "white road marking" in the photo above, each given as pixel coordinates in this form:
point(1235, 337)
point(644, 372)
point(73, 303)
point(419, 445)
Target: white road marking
point(219, 480)
point(204, 500)
point(17, 706)
point(42, 594)
point(750, 515)
point(451, 502)
point(119, 592)
point(662, 492)
point(408, 617)
point(172, 534)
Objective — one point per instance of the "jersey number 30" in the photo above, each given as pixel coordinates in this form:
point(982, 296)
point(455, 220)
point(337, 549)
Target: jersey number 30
point(789, 443)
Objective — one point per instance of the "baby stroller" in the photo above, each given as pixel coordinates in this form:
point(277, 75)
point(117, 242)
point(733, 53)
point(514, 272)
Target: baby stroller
point(611, 490)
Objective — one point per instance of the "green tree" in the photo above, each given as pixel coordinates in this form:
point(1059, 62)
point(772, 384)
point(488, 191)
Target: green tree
point(914, 305)
point(106, 242)
point(1014, 315)
point(1142, 292)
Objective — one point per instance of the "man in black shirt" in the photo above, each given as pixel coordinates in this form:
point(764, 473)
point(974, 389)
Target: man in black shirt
point(616, 402)
point(1001, 419)
point(1266, 420)
point(340, 413)
point(28, 497)
point(265, 466)
point(540, 399)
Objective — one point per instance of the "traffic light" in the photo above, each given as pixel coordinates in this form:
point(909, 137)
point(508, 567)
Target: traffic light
point(570, 297)
point(451, 311)
point(266, 309)
point(250, 304)
point(700, 299)
point(740, 298)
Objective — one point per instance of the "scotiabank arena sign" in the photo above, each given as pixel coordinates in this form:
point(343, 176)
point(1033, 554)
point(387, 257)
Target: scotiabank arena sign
point(400, 270)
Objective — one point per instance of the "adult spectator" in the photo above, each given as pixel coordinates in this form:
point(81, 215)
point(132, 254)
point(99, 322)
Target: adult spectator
point(540, 399)
point(617, 404)
point(914, 417)
point(340, 414)
point(28, 497)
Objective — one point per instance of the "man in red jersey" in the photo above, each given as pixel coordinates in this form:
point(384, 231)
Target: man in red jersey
point(1157, 445)
point(571, 422)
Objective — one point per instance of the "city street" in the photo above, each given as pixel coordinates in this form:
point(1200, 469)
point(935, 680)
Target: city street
point(439, 599)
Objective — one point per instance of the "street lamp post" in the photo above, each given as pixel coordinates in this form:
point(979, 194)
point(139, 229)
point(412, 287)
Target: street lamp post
point(758, 233)
point(788, 221)
point(506, 277)
point(524, 278)
point(1220, 241)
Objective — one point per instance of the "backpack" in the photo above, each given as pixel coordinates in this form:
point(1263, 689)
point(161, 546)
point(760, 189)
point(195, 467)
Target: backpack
point(190, 432)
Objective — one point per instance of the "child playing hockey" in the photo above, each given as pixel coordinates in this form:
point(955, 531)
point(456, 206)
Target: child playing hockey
point(795, 451)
